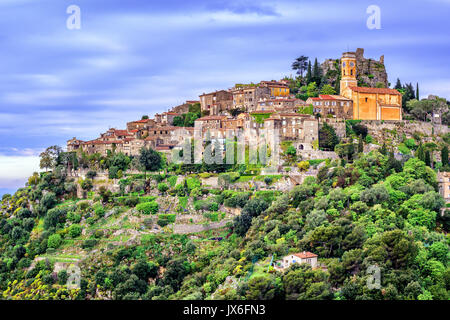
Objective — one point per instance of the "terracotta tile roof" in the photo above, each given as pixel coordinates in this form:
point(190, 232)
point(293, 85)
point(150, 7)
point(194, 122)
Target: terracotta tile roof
point(172, 113)
point(141, 121)
point(338, 97)
point(305, 255)
point(103, 142)
point(375, 90)
point(326, 97)
point(262, 111)
point(293, 114)
point(165, 128)
point(206, 118)
point(122, 132)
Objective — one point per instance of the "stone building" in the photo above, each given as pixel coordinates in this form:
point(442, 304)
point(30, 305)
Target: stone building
point(444, 185)
point(140, 124)
point(216, 102)
point(294, 127)
point(369, 72)
point(246, 97)
point(334, 106)
point(277, 89)
point(301, 257)
point(282, 105)
point(368, 103)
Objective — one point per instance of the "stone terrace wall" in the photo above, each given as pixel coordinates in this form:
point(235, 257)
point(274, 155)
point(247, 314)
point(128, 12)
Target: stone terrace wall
point(408, 127)
point(194, 228)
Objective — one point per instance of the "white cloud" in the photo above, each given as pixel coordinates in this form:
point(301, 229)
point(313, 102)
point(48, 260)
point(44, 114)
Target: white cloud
point(15, 170)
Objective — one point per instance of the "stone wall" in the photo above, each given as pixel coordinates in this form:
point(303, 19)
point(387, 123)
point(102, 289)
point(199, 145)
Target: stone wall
point(194, 228)
point(407, 127)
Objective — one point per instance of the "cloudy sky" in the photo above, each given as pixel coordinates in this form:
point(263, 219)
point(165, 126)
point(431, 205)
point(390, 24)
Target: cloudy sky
point(131, 58)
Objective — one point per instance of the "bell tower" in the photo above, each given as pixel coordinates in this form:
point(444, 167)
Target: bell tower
point(348, 71)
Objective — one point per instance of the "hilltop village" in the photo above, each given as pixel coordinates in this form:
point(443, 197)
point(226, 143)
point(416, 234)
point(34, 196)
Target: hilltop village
point(251, 108)
point(362, 183)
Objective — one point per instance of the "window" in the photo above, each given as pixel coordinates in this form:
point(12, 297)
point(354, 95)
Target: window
point(366, 99)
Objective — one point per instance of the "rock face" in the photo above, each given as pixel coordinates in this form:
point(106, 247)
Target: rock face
point(369, 72)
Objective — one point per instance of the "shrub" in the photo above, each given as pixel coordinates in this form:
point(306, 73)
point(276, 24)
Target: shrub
point(89, 243)
point(91, 174)
point(75, 230)
point(213, 206)
point(172, 181)
point(99, 211)
point(410, 144)
point(83, 205)
point(112, 172)
point(54, 241)
point(403, 149)
point(162, 187)
point(148, 207)
point(98, 234)
point(165, 219)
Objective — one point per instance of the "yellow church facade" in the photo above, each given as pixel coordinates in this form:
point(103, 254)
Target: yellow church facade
point(368, 103)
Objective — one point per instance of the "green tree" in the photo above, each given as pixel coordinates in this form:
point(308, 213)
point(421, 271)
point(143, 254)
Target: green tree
point(327, 138)
point(75, 230)
point(317, 73)
point(300, 64)
point(360, 145)
point(150, 160)
point(309, 73)
point(49, 156)
point(327, 89)
point(428, 158)
point(312, 90)
point(54, 241)
point(444, 156)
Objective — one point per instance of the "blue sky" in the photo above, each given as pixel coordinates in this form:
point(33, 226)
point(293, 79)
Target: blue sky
point(133, 57)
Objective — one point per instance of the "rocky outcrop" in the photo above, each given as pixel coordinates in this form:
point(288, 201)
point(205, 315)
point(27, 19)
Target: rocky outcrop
point(369, 72)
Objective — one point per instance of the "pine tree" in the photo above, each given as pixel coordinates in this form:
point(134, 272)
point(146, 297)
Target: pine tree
point(444, 156)
point(398, 84)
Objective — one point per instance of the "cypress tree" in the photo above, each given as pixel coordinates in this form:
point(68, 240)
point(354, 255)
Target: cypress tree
point(444, 156)
point(420, 154)
point(398, 84)
point(316, 73)
point(417, 91)
point(428, 158)
point(309, 73)
point(360, 145)
point(383, 149)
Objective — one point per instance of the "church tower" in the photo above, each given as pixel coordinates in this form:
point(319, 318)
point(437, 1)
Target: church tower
point(348, 71)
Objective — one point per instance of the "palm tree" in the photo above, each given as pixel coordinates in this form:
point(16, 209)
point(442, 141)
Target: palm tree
point(300, 64)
